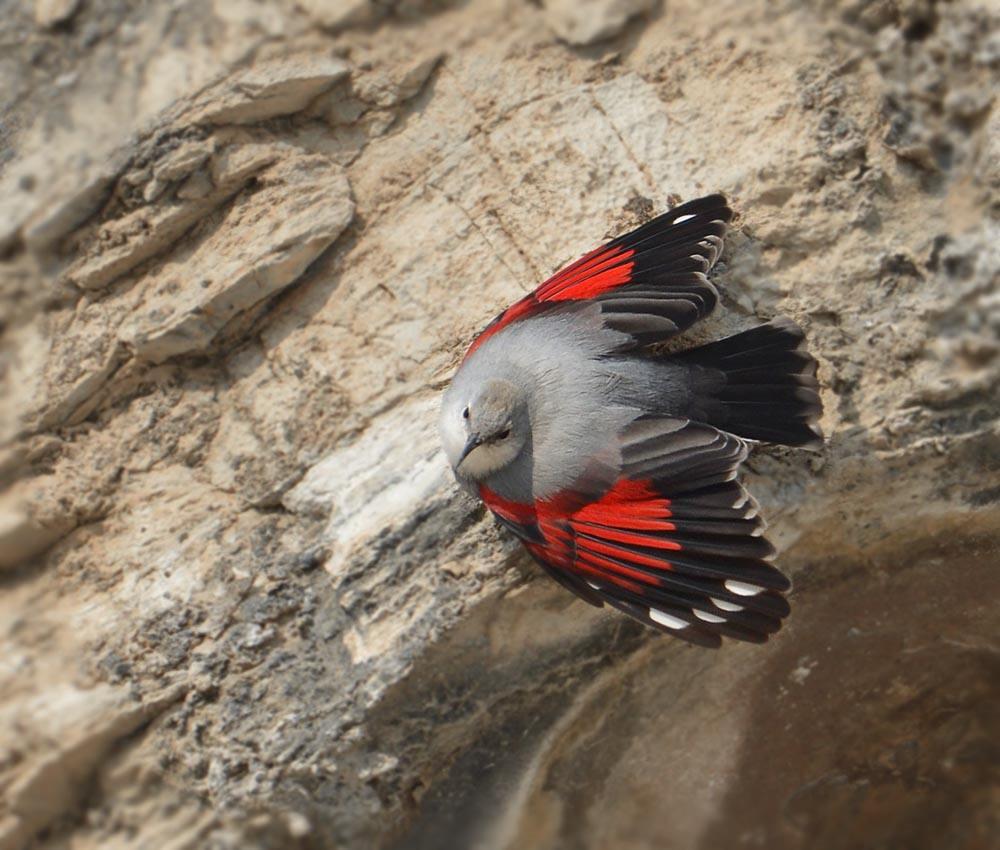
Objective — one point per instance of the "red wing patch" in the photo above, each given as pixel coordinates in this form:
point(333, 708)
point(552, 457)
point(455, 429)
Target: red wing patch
point(657, 269)
point(645, 554)
point(598, 539)
point(594, 274)
point(598, 272)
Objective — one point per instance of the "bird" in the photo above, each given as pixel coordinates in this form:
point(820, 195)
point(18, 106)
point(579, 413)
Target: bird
point(616, 463)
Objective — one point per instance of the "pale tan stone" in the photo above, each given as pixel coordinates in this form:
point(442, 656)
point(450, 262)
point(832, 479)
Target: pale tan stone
point(244, 605)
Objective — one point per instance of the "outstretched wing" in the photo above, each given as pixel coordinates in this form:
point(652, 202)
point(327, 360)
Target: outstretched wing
point(650, 283)
point(676, 543)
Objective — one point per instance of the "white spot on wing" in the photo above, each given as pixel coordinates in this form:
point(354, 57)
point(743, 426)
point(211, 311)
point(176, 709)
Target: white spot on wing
point(684, 218)
point(709, 618)
point(594, 586)
point(722, 605)
point(665, 619)
point(741, 588)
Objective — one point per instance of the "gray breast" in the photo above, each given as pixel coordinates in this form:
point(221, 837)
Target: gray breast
point(575, 414)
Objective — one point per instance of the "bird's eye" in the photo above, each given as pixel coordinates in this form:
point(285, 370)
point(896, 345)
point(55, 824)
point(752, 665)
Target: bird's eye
point(504, 434)
point(465, 413)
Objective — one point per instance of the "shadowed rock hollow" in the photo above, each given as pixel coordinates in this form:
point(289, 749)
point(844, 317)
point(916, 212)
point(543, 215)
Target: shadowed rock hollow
point(242, 245)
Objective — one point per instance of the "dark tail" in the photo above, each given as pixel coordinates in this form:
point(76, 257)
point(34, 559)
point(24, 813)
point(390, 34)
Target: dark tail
point(759, 384)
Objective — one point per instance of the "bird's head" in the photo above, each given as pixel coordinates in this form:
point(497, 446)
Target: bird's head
point(485, 429)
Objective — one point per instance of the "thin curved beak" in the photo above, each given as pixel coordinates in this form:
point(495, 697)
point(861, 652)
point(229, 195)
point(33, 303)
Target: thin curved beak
point(472, 443)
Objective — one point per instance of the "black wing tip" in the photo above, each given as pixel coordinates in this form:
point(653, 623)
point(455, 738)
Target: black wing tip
point(739, 599)
point(668, 259)
point(709, 215)
point(695, 625)
point(716, 202)
point(691, 616)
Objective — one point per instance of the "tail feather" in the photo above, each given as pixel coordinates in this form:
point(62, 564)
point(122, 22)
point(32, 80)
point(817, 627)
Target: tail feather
point(759, 384)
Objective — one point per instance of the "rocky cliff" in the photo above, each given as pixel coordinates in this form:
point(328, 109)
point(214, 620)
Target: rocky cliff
point(242, 246)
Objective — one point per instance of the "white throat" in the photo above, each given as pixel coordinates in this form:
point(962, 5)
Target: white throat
point(487, 459)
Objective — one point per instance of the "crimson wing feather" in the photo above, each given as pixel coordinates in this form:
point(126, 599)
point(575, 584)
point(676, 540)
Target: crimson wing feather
point(650, 283)
point(676, 543)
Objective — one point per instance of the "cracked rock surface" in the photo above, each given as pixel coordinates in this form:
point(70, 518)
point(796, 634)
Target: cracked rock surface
point(242, 246)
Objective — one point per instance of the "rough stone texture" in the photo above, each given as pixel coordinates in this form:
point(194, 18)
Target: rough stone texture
point(243, 244)
point(583, 22)
point(49, 13)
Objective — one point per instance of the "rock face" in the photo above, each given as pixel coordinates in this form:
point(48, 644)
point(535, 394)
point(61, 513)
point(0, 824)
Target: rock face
point(243, 244)
point(587, 21)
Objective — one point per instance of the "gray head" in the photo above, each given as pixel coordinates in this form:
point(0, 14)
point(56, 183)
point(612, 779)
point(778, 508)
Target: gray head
point(483, 427)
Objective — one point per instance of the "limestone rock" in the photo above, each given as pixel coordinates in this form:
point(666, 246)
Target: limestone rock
point(125, 242)
point(86, 723)
point(183, 160)
point(339, 14)
point(587, 21)
point(244, 605)
point(23, 534)
point(69, 209)
point(263, 244)
point(49, 13)
point(280, 87)
point(373, 484)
